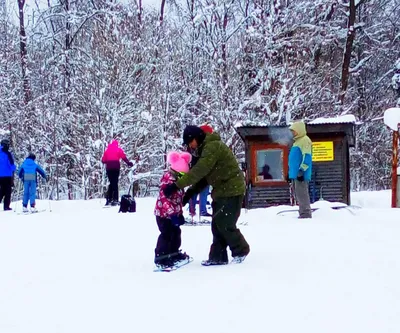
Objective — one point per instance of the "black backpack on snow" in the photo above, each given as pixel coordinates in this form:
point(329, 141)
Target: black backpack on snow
point(128, 203)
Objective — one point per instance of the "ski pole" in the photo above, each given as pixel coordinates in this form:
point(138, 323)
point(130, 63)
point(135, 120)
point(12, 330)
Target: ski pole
point(199, 196)
point(49, 197)
point(18, 195)
point(16, 198)
point(192, 209)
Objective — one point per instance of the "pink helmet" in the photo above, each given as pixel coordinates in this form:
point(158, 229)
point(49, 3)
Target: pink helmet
point(179, 161)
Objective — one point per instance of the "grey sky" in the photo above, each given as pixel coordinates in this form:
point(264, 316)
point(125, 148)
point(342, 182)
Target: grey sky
point(30, 5)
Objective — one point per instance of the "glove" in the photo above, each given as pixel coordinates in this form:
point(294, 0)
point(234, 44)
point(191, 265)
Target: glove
point(188, 195)
point(130, 164)
point(300, 176)
point(177, 220)
point(170, 189)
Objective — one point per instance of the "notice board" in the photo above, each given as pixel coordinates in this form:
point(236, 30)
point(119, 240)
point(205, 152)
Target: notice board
point(322, 151)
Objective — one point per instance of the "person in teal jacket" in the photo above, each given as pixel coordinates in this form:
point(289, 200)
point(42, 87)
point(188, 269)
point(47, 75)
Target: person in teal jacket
point(300, 167)
point(27, 173)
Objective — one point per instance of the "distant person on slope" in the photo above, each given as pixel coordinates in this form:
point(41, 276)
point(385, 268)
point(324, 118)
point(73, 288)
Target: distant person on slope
point(217, 166)
point(27, 173)
point(7, 168)
point(111, 158)
point(203, 196)
point(300, 167)
point(169, 214)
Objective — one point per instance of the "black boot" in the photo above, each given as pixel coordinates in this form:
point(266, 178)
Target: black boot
point(213, 262)
point(181, 256)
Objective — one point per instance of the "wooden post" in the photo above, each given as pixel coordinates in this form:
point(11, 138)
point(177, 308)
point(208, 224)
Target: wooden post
point(394, 166)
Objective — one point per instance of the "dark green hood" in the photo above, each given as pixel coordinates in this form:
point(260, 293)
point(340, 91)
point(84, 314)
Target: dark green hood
point(218, 166)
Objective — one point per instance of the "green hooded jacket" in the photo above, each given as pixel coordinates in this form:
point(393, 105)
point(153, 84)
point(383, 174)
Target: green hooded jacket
point(300, 155)
point(218, 166)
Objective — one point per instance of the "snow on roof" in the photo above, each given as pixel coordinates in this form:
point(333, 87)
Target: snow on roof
point(348, 118)
point(391, 118)
point(251, 123)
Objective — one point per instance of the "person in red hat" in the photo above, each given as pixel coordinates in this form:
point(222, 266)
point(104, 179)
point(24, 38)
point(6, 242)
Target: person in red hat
point(203, 195)
point(206, 128)
point(217, 167)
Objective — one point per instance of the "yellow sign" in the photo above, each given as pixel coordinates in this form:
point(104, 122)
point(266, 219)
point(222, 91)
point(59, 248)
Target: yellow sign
point(322, 151)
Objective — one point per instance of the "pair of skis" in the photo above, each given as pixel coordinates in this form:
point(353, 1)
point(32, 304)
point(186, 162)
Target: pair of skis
point(192, 222)
point(31, 212)
point(350, 209)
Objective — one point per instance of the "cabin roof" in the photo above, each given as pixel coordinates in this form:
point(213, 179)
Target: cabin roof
point(277, 132)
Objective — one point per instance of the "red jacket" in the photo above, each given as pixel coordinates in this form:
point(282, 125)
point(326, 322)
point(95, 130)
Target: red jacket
point(166, 207)
point(112, 155)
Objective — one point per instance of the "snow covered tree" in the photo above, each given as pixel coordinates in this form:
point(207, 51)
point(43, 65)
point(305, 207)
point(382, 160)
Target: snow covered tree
point(76, 74)
point(396, 81)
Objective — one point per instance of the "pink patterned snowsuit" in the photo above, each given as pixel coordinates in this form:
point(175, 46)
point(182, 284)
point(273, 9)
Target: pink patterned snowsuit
point(166, 207)
point(169, 240)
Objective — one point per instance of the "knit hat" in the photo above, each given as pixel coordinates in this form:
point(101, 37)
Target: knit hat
point(5, 143)
point(206, 128)
point(179, 161)
point(193, 132)
point(31, 156)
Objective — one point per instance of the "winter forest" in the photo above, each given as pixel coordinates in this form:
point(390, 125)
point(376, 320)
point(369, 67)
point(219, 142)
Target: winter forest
point(76, 73)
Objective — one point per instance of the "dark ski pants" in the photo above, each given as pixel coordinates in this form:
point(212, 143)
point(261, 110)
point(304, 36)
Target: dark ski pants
point(169, 240)
point(302, 198)
point(112, 193)
point(5, 191)
point(226, 212)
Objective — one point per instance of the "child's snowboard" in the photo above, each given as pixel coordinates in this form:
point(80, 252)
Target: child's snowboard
point(174, 267)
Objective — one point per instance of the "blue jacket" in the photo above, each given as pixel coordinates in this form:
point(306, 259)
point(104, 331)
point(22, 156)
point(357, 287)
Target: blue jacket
point(28, 170)
point(7, 166)
point(300, 155)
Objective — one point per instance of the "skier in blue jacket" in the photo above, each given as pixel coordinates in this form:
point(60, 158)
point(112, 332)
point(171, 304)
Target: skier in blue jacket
point(27, 173)
point(7, 168)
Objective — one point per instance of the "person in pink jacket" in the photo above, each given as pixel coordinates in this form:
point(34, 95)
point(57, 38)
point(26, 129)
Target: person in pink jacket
point(169, 214)
point(111, 158)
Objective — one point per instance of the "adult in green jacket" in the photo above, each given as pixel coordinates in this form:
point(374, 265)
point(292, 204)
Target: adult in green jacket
point(217, 166)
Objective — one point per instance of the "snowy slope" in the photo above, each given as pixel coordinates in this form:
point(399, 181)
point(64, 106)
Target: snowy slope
point(82, 268)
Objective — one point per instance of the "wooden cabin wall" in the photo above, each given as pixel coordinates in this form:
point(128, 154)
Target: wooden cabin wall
point(332, 177)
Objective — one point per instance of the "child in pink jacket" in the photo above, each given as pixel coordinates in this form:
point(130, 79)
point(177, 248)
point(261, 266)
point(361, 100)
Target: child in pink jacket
point(169, 214)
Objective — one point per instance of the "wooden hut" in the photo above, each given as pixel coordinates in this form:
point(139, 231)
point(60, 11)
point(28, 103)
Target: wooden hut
point(266, 162)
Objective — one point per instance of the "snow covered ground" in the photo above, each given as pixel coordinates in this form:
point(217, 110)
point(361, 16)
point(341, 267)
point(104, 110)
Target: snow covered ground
point(81, 268)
